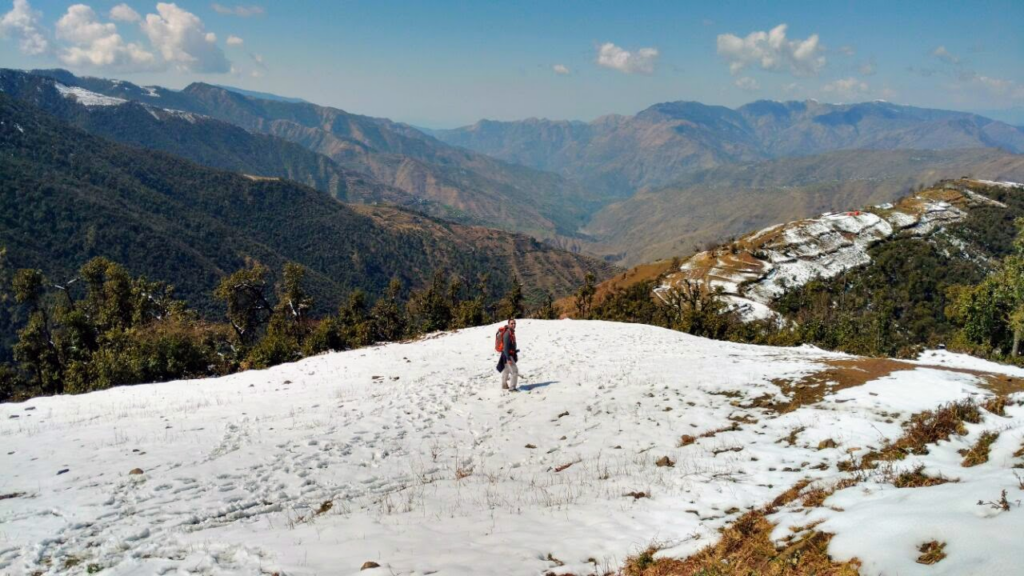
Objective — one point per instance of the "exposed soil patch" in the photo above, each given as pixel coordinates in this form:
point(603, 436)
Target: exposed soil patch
point(846, 373)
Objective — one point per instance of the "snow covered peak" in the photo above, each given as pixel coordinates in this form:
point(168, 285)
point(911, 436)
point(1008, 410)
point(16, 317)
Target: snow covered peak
point(409, 455)
point(86, 97)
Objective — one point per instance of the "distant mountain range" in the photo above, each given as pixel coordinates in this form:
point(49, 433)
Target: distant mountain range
point(658, 146)
point(712, 205)
point(630, 189)
point(262, 95)
point(67, 196)
point(480, 189)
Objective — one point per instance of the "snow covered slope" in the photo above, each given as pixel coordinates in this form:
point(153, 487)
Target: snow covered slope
point(409, 456)
point(760, 267)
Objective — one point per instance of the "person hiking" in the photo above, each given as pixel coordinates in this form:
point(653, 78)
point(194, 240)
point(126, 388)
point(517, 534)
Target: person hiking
point(505, 343)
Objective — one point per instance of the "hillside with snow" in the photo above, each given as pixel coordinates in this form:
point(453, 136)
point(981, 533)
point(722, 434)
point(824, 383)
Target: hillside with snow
point(757, 268)
point(409, 456)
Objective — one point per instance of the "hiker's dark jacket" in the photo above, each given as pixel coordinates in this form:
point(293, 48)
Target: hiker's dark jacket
point(508, 345)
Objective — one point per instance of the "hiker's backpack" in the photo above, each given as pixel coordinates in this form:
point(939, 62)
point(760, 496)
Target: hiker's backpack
point(499, 339)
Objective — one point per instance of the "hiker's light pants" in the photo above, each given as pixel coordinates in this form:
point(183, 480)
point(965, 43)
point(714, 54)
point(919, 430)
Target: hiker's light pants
point(510, 375)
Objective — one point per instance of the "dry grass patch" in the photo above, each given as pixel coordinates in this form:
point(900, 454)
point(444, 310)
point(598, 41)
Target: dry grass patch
point(686, 440)
point(916, 478)
point(836, 375)
point(978, 454)
point(746, 548)
point(926, 428)
point(931, 552)
point(996, 405)
point(841, 374)
point(815, 498)
point(712, 433)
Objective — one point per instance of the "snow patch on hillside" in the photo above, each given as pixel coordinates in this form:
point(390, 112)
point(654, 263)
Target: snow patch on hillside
point(757, 269)
point(87, 97)
point(410, 456)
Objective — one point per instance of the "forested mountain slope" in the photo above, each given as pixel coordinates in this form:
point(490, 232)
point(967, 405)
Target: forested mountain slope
point(487, 190)
point(68, 196)
point(206, 141)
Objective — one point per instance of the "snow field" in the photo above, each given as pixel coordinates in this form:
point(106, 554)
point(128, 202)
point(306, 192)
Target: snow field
point(410, 456)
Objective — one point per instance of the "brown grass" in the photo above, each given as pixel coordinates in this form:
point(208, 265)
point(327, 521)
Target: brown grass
point(815, 497)
point(996, 405)
point(978, 454)
point(931, 552)
point(566, 307)
point(686, 440)
point(835, 375)
point(791, 438)
point(712, 433)
point(841, 374)
point(926, 428)
point(916, 478)
point(746, 548)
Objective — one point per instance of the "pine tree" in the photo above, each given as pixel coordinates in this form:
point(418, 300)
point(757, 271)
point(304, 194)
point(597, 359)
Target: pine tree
point(244, 293)
point(36, 349)
point(585, 296)
point(354, 321)
point(293, 302)
point(547, 311)
point(511, 305)
point(432, 305)
point(388, 315)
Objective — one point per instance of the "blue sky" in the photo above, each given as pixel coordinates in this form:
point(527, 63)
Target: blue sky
point(443, 63)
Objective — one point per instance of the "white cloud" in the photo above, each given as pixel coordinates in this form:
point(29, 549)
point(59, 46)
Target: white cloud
point(182, 40)
point(867, 68)
point(772, 51)
point(747, 84)
point(97, 44)
point(1001, 88)
point(237, 10)
point(22, 23)
point(235, 41)
point(124, 13)
point(946, 56)
point(847, 50)
point(640, 62)
point(80, 26)
point(846, 88)
point(561, 69)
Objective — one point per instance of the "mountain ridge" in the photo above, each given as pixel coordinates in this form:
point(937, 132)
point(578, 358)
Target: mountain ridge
point(490, 191)
point(662, 142)
point(69, 196)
